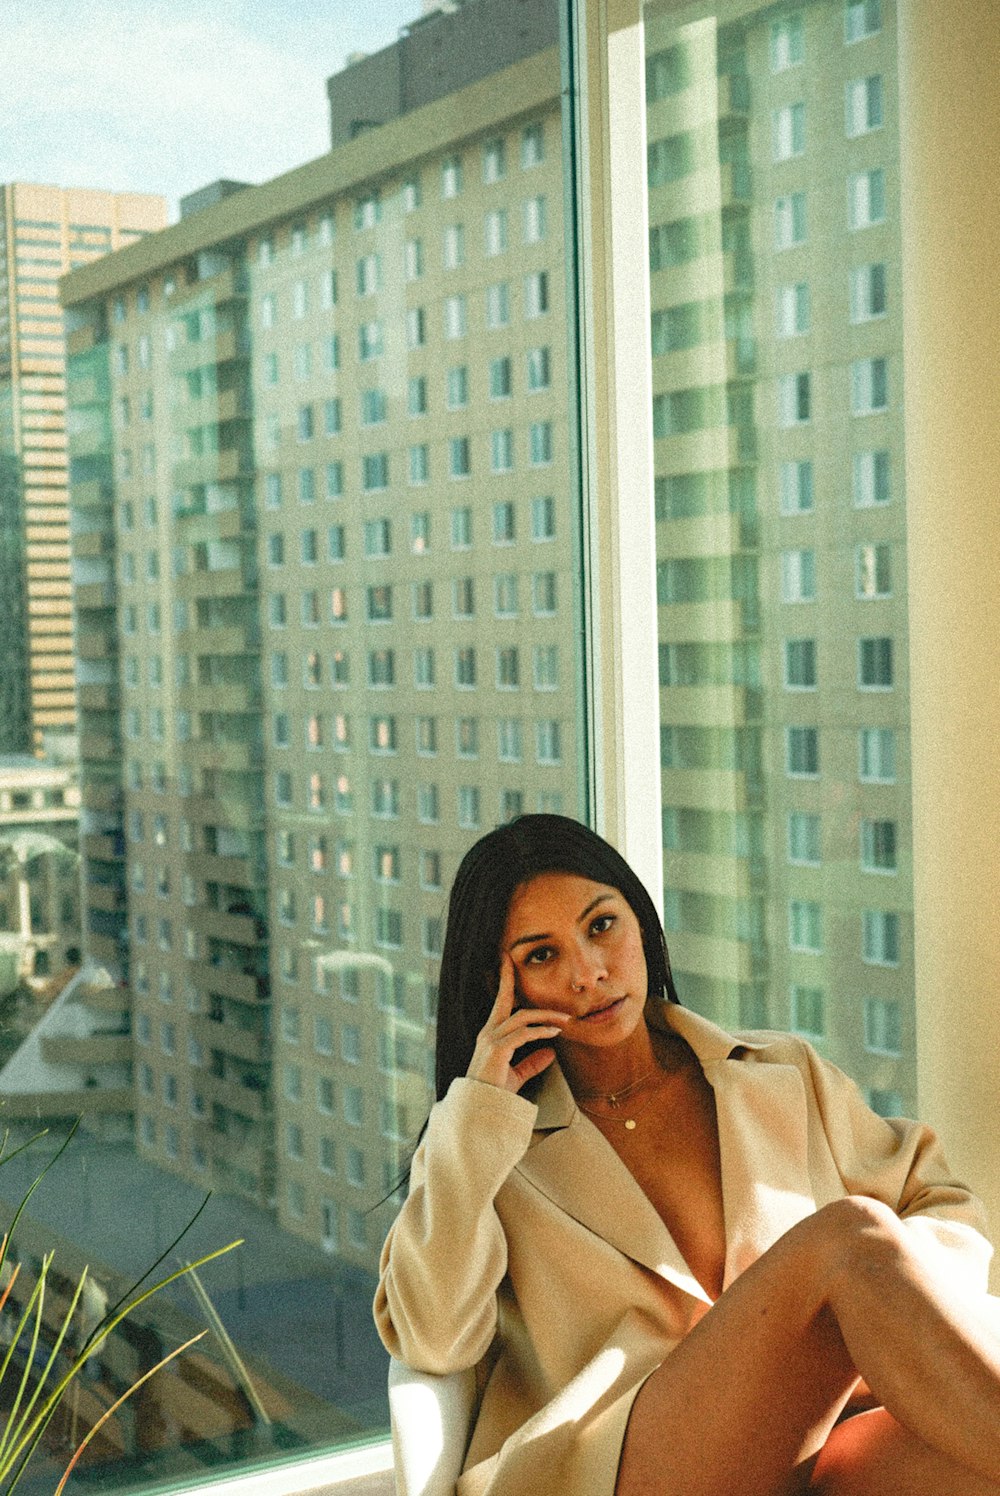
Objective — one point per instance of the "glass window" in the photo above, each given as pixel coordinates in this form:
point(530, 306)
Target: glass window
point(864, 106)
point(796, 450)
point(787, 42)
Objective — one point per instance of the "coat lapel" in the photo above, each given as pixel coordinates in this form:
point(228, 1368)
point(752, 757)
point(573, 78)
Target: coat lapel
point(576, 1168)
point(762, 1116)
point(763, 1138)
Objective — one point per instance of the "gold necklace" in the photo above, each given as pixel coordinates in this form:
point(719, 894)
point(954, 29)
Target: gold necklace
point(614, 1099)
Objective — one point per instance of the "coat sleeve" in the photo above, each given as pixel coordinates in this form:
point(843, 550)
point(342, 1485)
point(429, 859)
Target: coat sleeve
point(446, 1252)
point(902, 1163)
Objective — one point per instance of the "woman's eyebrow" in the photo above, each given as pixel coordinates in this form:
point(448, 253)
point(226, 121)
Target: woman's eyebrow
point(527, 939)
point(593, 905)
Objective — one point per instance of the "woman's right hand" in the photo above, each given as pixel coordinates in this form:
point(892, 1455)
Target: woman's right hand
point(506, 1030)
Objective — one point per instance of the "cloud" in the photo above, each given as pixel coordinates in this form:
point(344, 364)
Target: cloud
point(164, 98)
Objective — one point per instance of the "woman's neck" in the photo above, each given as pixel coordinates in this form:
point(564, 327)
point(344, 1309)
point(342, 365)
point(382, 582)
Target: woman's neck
point(594, 1072)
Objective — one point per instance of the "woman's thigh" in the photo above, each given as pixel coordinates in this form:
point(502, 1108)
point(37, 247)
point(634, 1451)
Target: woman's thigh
point(873, 1455)
point(748, 1398)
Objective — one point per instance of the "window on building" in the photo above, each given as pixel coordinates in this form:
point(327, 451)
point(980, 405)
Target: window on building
point(877, 755)
point(807, 1013)
point(875, 664)
point(878, 846)
point(880, 937)
point(864, 105)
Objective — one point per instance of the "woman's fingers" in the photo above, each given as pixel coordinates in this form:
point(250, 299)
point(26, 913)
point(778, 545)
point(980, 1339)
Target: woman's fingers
point(506, 990)
point(532, 1065)
point(507, 1029)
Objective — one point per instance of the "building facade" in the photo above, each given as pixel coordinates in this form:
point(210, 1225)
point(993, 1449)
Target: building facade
point(325, 635)
point(329, 626)
point(39, 866)
point(44, 231)
point(773, 150)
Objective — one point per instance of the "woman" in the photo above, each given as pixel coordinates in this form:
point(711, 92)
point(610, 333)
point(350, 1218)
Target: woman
point(670, 1253)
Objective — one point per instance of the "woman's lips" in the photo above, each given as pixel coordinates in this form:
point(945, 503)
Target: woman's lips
point(596, 1015)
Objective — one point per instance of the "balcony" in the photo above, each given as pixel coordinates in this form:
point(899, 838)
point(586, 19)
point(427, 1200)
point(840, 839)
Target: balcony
point(98, 794)
point(222, 640)
point(95, 493)
point(97, 747)
point(211, 410)
point(96, 643)
point(720, 621)
point(240, 815)
point(81, 339)
point(97, 698)
point(246, 1101)
point(105, 896)
point(704, 706)
point(244, 986)
point(103, 847)
point(217, 698)
point(98, 1049)
point(734, 96)
point(223, 348)
point(241, 757)
point(215, 290)
point(705, 789)
point(93, 543)
point(108, 998)
point(713, 955)
point(222, 466)
point(242, 1044)
point(198, 526)
point(253, 1154)
point(230, 582)
point(93, 594)
point(736, 184)
point(104, 949)
point(240, 929)
point(214, 868)
point(82, 1101)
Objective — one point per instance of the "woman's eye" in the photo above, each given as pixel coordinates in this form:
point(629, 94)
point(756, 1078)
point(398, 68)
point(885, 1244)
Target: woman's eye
point(602, 924)
point(537, 956)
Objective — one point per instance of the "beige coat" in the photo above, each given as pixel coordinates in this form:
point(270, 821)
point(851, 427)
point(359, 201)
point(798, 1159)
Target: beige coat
point(526, 1248)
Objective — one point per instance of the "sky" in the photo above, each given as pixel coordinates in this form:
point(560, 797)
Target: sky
point(168, 95)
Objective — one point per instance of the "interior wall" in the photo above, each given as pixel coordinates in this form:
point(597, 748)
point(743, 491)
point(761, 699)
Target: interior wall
point(949, 64)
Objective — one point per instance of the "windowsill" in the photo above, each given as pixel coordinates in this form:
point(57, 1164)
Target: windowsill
point(365, 1470)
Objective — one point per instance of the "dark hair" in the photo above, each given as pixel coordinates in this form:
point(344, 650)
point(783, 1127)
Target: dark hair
point(484, 885)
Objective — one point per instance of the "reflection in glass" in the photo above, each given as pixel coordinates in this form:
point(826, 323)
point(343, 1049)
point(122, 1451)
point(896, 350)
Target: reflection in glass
point(776, 341)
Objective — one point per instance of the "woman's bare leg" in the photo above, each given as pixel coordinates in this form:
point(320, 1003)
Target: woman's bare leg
point(873, 1455)
point(745, 1403)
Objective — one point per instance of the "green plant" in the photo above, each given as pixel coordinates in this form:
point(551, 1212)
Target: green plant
point(39, 1393)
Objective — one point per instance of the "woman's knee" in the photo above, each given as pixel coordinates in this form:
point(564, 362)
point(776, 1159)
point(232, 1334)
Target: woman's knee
point(860, 1236)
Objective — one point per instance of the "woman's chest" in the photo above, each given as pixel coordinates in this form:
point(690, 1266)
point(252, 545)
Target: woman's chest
point(673, 1154)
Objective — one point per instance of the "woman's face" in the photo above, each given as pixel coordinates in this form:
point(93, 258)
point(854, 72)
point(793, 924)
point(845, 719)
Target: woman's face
point(576, 946)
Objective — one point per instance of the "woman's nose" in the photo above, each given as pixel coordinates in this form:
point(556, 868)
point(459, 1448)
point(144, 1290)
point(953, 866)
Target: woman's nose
point(587, 970)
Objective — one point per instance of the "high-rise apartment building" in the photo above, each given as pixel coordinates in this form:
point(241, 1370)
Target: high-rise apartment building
point(777, 370)
point(327, 624)
point(324, 622)
point(44, 231)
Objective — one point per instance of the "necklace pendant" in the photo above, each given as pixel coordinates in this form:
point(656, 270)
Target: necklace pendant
point(630, 1124)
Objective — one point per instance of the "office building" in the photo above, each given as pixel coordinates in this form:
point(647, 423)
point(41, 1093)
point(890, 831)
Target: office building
point(44, 231)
